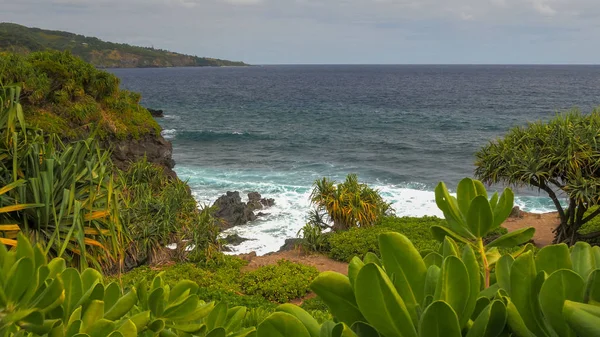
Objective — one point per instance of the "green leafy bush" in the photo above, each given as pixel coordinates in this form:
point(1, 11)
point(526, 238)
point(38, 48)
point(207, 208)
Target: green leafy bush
point(61, 93)
point(280, 283)
point(61, 301)
point(216, 282)
point(345, 245)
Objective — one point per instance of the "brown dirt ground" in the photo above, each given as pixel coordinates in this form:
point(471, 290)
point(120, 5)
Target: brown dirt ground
point(544, 224)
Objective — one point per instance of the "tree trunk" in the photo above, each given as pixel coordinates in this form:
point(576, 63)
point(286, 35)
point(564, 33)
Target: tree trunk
point(566, 233)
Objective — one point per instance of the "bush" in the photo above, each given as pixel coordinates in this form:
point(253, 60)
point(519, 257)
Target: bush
point(280, 283)
point(359, 241)
point(217, 282)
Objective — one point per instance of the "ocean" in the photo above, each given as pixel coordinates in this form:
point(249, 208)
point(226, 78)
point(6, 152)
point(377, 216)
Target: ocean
point(401, 128)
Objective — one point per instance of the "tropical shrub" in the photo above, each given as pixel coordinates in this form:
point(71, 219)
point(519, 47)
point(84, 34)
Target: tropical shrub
point(62, 196)
point(60, 301)
point(348, 204)
point(280, 283)
point(559, 157)
point(160, 210)
point(343, 246)
point(63, 94)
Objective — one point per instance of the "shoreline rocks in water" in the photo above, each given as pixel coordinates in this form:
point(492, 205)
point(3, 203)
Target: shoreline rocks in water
point(156, 113)
point(234, 212)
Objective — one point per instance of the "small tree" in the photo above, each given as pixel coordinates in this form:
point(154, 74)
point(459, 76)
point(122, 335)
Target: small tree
point(348, 204)
point(560, 157)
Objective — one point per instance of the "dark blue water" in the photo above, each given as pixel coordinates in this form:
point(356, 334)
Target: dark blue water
point(276, 129)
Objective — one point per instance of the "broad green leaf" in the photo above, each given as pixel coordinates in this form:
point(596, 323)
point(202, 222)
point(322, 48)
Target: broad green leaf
point(235, 317)
point(439, 320)
point(141, 320)
point(490, 322)
point(503, 207)
point(453, 285)
point(353, 268)
point(184, 287)
point(402, 260)
point(449, 247)
point(480, 218)
point(583, 318)
point(440, 233)
point(372, 258)
point(524, 293)
point(503, 272)
point(552, 258)
point(311, 325)
point(516, 322)
point(449, 206)
point(100, 328)
point(89, 278)
point(128, 329)
point(432, 259)
point(181, 309)
point(281, 324)
point(583, 259)
point(512, 239)
point(472, 266)
point(363, 329)
point(122, 307)
point(73, 290)
point(93, 313)
point(156, 302)
point(112, 293)
point(217, 332)
point(431, 282)
point(592, 293)
point(465, 193)
point(16, 284)
point(342, 330)
point(560, 286)
point(217, 317)
point(492, 255)
point(380, 303)
point(335, 290)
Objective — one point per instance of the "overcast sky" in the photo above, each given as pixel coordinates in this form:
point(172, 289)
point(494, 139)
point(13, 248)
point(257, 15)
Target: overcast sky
point(335, 31)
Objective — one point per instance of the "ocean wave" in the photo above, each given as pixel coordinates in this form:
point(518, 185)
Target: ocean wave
point(209, 136)
point(291, 193)
point(169, 133)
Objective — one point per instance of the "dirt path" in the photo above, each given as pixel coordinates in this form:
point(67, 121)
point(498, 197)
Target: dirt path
point(321, 262)
point(544, 224)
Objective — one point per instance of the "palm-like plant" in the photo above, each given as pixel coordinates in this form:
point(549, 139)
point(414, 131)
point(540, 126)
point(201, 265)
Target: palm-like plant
point(348, 204)
point(61, 196)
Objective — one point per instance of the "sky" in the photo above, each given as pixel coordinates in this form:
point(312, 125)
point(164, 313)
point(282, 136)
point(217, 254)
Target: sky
point(335, 31)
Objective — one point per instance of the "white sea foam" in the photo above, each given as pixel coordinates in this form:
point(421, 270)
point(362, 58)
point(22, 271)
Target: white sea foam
point(169, 134)
point(287, 217)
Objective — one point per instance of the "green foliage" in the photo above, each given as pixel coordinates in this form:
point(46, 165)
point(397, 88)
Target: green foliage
point(558, 157)
point(313, 239)
point(73, 207)
point(280, 283)
point(348, 204)
point(103, 54)
point(470, 217)
point(60, 301)
point(343, 246)
point(63, 94)
point(160, 210)
point(216, 282)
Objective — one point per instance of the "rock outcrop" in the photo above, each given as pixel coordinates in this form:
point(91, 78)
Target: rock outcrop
point(157, 149)
point(234, 212)
point(156, 113)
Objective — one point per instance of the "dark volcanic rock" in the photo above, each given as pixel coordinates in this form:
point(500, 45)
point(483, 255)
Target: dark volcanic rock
point(156, 113)
point(516, 212)
point(234, 239)
point(158, 151)
point(234, 212)
point(290, 244)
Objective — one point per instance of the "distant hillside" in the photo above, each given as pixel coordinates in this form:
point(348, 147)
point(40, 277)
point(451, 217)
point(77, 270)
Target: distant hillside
point(21, 39)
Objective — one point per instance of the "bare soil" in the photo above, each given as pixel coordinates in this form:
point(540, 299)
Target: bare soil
point(544, 224)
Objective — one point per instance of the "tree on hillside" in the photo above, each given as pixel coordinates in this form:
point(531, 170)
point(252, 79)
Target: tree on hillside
point(348, 204)
point(560, 157)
